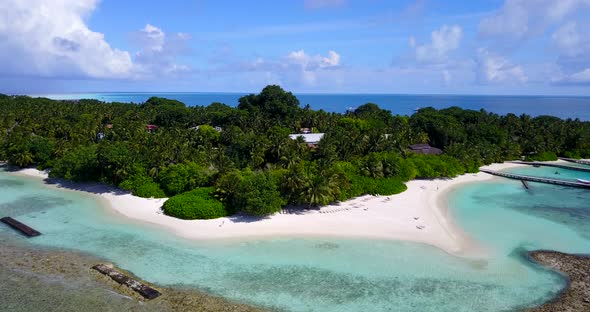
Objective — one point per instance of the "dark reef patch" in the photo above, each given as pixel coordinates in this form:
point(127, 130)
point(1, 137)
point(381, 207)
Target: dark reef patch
point(32, 204)
point(576, 296)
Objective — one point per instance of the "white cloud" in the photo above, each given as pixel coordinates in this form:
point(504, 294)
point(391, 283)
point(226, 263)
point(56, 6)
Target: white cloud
point(446, 77)
point(493, 68)
point(569, 40)
point(443, 42)
point(521, 19)
point(307, 65)
point(576, 78)
point(153, 37)
point(573, 46)
point(582, 77)
point(295, 68)
point(158, 52)
point(310, 63)
point(50, 38)
point(319, 4)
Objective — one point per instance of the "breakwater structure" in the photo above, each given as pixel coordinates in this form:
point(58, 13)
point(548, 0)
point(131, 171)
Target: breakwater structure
point(537, 179)
point(577, 161)
point(545, 164)
point(23, 228)
point(144, 290)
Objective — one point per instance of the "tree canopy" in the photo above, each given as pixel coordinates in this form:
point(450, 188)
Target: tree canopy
point(163, 148)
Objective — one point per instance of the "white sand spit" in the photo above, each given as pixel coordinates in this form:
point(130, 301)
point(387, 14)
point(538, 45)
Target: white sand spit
point(419, 214)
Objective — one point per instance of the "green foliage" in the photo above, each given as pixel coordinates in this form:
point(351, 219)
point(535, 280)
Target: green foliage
point(142, 185)
point(273, 102)
point(78, 164)
point(390, 186)
point(207, 135)
point(42, 150)
point(253, 193)
point(430, 166)
point(253, 162)
point(168, 113)
point(199, 203)
point(373, 111)
point(179, 178)
point(544, 156)
point(20, 155)
point(116, 160)
point(573, 154)
point(149, 190)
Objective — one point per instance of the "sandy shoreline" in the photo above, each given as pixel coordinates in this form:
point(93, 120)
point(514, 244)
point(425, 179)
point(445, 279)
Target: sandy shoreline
point(420, 214)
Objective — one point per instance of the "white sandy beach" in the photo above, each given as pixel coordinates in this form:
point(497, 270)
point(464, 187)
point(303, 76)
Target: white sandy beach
point(418, 215)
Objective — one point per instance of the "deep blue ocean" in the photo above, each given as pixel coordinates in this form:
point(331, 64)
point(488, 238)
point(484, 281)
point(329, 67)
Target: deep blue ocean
point(560, 106)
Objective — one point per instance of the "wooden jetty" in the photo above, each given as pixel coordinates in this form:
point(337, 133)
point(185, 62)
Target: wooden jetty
point(23, 228)
point(577, 161)
point(145, 291)
point(536, 179)
point(539, 164)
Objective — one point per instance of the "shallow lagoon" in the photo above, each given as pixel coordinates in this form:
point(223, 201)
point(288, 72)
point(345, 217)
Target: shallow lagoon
point(330, 274)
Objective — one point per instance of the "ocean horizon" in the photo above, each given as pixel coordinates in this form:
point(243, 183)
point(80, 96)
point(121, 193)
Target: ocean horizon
point(403, 104)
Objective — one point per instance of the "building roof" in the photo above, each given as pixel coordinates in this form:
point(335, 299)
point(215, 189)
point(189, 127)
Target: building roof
point(425, 149)
point(419, 146)
point(308, 137)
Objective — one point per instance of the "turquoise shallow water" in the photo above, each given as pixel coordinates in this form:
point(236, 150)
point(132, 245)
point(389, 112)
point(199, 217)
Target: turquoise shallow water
point(330, 274)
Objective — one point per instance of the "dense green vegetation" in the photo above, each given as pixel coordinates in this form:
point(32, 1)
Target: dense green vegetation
point(199, 203)
point(250, 162)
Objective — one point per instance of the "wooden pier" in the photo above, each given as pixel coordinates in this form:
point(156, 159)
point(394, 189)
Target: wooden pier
point(23, 228)
point(536, 179)
point(145, 291)
point(577, 161)
point(538, 164)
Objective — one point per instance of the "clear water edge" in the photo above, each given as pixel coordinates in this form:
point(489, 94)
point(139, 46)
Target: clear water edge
point(300, 274)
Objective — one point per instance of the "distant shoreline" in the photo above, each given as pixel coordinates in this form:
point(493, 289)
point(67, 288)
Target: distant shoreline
point(420, 214)
point(562, 106)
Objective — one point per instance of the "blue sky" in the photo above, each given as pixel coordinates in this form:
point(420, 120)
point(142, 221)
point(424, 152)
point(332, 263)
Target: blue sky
point(314, 46)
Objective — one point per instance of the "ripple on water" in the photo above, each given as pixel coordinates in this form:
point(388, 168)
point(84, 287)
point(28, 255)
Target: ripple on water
point(32, 204)
point(304, 274)
point(10, 183)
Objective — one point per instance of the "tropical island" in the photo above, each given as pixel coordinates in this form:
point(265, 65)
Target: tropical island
point(270, 168)
point(268, 152)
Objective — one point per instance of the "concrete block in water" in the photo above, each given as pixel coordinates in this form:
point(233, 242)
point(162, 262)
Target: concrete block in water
point(145, 291)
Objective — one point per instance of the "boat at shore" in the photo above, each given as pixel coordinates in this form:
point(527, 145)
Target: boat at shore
point(583, 181)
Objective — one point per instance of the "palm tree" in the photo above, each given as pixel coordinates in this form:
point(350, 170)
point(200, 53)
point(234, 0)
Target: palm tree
point(317, 191)
point(23, 158)
point(293, 182)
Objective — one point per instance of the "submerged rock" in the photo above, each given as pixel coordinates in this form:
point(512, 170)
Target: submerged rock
point(576, 297)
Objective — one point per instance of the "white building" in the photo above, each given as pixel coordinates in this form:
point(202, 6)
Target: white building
point(311, 139)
